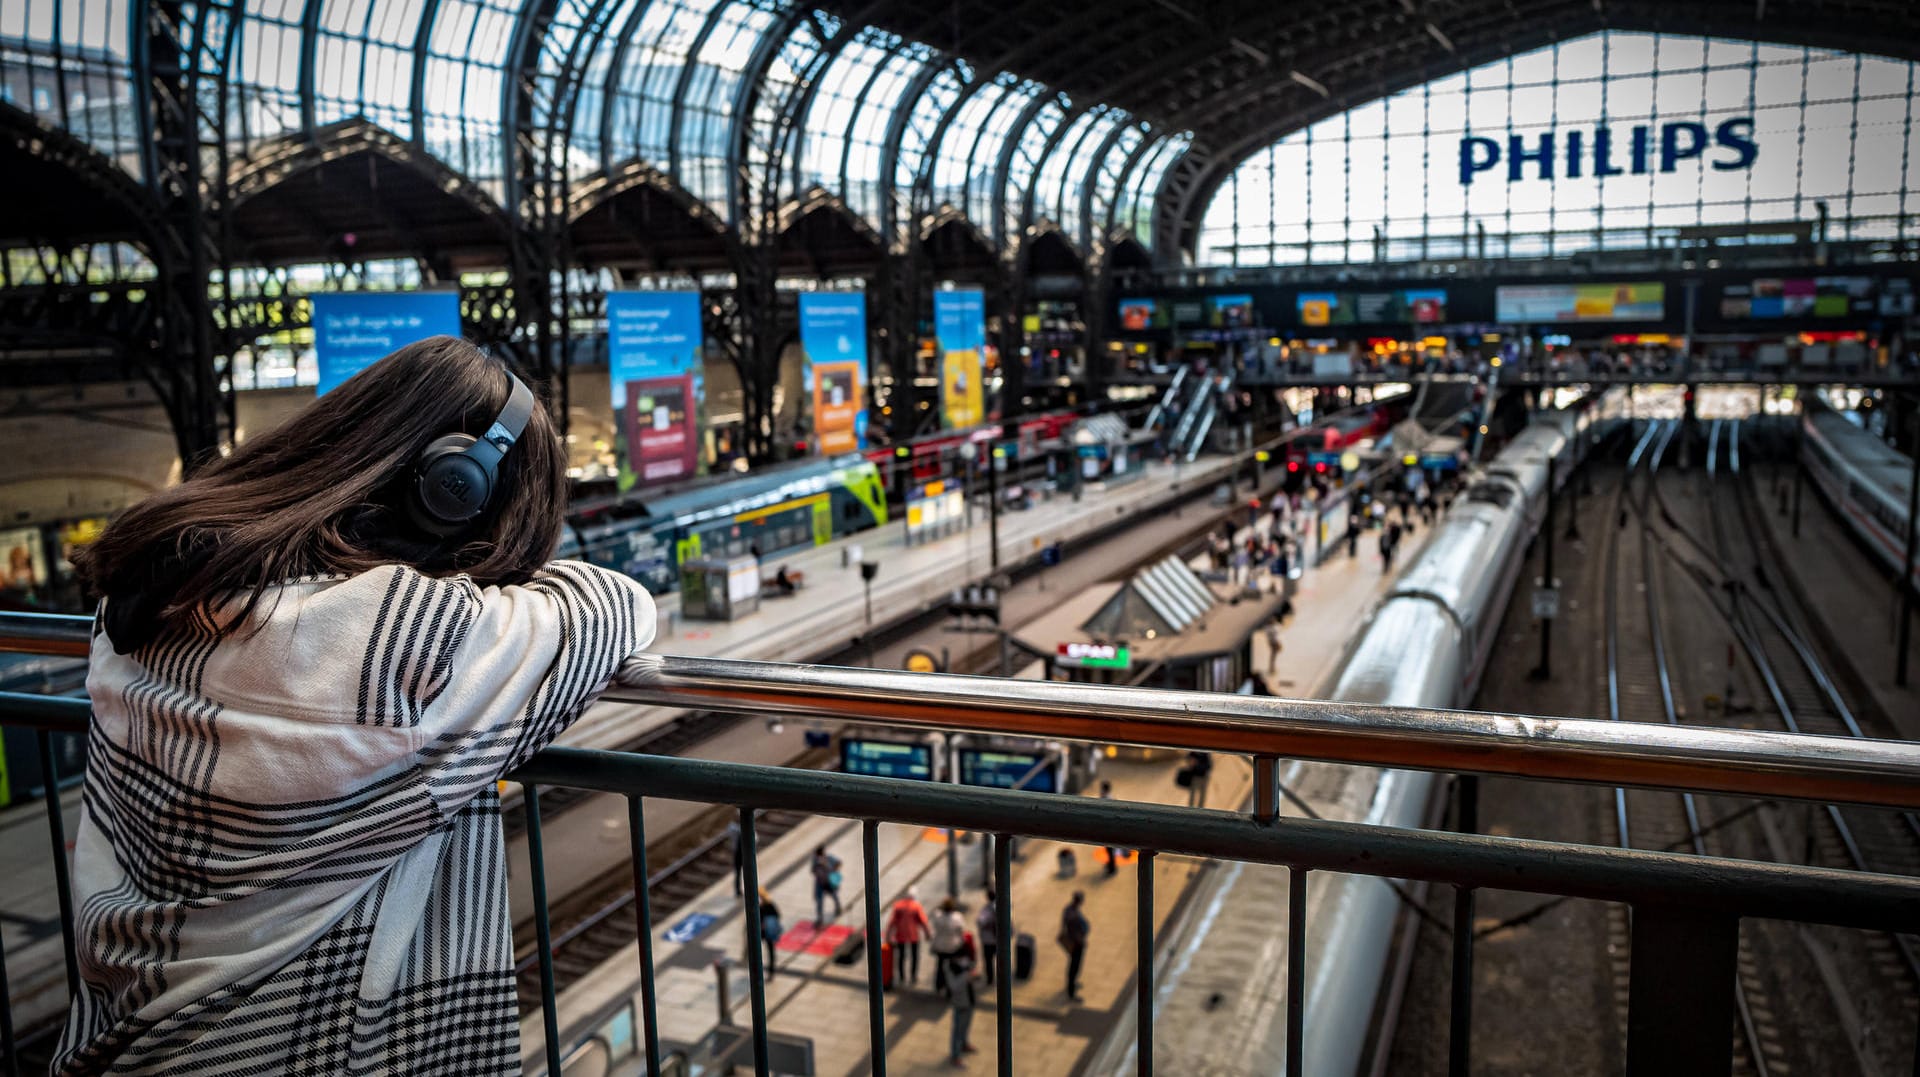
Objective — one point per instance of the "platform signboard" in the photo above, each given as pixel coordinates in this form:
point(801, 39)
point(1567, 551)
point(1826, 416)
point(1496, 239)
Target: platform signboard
point(354, 330)
point(1092, 656)
point(833, 334)
point(1031, 771)
point(658, 387)
point(1631, 301)
point(887, 758)
point(960, 324)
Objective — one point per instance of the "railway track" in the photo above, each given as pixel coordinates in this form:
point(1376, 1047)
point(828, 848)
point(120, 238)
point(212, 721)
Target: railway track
point(1640, 687)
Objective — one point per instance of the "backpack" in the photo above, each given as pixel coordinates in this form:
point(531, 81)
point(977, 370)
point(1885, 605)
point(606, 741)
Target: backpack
point(770, 926)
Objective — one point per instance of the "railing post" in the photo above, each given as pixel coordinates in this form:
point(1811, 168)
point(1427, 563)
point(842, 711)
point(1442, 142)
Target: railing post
point(1266, 788)
point(1144, 937)
point(876, 976)
point(6, 1019)
point(756, 968)
point(1680, 992)
point(1460, 1021)
point(1296, 970)
point(62, 880)
point(643, 920)
point(1003, 890)
point(537, 861)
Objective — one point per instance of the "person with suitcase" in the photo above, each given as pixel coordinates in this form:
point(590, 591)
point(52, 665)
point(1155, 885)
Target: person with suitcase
point(1074, 930)
point(906, 926)
point(948, 938)
point(770, 929)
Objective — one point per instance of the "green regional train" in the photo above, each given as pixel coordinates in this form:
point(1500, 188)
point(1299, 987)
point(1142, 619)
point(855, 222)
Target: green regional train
point(777, 509)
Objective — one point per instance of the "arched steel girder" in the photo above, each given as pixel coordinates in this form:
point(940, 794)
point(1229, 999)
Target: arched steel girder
point(1004, 167)
point(1028, 220)
point(609, 87)
point(901, 48)
point(899, 243)
point(1149, 144)
point(685, 78)
point(1089, 234)
point(1010, 101)
point(1066, 173)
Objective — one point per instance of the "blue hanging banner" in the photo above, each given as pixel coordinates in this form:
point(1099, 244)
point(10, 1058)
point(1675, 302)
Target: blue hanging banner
point(960, 324)
point(354, 330)
point(659, 387)
point(833, 333)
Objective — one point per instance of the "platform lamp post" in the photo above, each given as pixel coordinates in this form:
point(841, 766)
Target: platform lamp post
point(994, 456)
point(868, 570)
point(1546, 596)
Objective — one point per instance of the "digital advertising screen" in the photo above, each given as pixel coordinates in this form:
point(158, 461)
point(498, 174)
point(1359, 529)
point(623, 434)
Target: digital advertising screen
point(1138, 314)
point(1230, 311)
point(658, 386)
point(354, 330)
point(1636, 301)
point(26, 559)
point(1798, 297)
point(887, 759)
point(1008, 770)
point(960, 325)
point(833, 333)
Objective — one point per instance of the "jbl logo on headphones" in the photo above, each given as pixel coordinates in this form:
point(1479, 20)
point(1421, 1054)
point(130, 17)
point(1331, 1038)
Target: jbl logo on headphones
point(456, 486)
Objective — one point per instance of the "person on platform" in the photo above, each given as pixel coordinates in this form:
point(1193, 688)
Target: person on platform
point(947, 937)
point(986, 928)
point(770, 929)
point(1074, 932)
point(783, 581)
point(826, 884)
point(313, 662)
point(906, 926)
point(956, 982)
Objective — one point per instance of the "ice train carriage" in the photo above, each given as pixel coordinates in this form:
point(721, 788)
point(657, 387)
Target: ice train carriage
point(1866, 480)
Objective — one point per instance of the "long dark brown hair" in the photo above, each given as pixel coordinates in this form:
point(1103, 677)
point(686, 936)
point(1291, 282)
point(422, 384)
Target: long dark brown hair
point(326, 493)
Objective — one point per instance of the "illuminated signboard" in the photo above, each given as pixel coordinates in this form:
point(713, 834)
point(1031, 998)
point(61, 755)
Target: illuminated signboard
point(1798, 297)
point(1142, 314)
point(1008, 770)
point(886, 759)
point(1093, 656)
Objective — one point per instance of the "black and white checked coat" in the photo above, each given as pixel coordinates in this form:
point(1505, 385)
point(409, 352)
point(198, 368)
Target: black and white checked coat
point(290, 855)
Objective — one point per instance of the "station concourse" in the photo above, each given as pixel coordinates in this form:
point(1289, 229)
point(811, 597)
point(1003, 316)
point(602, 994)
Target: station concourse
point(1432, 485)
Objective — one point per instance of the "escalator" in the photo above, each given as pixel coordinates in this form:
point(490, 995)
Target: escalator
point(1198, 396)
point(1160, 408)
point(1206, 413)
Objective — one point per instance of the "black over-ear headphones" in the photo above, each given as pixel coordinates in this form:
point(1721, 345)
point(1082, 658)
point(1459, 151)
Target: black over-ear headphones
point(455, 475)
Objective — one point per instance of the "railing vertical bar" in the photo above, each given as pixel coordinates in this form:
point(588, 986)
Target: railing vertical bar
point(1296, 969)
point(1144, 935)
point(756, 969)
point(876, 975)
point(643, 920)
point(537, 860)
point(1003, 891)
point(1460, 1023)
point(6, 1019)
point(1266, 788)
point(62, 880)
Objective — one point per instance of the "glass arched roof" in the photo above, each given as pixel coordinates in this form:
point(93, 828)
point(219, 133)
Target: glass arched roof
point(737, 102)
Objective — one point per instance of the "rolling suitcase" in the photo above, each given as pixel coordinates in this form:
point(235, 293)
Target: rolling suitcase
point(886, 966)
point(1023, 957)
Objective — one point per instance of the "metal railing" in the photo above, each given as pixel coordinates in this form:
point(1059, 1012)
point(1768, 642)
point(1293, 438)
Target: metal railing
point(1687, 908)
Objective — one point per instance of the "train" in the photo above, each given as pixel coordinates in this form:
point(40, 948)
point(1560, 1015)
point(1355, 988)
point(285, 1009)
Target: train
point(1425, 645)
point(930, 458)
point(1868, 483)
point(774, 510)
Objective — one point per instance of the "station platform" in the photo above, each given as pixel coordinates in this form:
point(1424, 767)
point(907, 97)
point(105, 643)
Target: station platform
point(812, 997)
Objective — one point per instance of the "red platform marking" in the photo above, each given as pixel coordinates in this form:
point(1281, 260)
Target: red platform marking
point(804, 938)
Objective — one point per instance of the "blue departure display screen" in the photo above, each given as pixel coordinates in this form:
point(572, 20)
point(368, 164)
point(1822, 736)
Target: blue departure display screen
point(1005, 770)
point(886, 759)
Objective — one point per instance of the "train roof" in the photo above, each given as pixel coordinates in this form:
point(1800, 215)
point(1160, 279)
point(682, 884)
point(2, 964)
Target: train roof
point(1886, 469)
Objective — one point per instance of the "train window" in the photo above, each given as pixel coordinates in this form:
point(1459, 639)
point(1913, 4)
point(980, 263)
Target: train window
point(1492, 493)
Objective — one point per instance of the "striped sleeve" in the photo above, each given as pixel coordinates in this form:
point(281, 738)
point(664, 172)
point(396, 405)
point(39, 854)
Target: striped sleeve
point(529, 665)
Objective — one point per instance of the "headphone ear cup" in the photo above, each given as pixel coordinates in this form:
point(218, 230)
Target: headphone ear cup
point(450, 488)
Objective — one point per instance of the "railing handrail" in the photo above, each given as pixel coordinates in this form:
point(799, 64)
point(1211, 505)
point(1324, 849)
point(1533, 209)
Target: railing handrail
point(1737, 762)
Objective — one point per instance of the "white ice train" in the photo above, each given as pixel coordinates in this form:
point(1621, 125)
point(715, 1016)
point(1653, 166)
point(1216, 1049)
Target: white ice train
point(1425, 646)
point(1866, 481)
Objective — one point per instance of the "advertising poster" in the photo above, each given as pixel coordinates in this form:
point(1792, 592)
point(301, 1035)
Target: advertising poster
point(1637, 301)
point(1137, 314)
point(354, 330)
point(1807, 297)
point(658, 386)
point(833, 333)
point(960, 322)
point(1416, 306)
point(1230, 311)
point(26, 559)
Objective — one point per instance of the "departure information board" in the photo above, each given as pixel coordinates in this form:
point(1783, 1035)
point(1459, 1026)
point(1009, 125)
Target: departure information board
point(1008, 770)
point(886, 759)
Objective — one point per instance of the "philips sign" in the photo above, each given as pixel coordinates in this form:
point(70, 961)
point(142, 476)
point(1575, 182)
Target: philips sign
point(1596, 152)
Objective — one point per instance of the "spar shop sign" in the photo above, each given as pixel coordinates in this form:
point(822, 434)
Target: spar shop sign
point(1610, 151)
